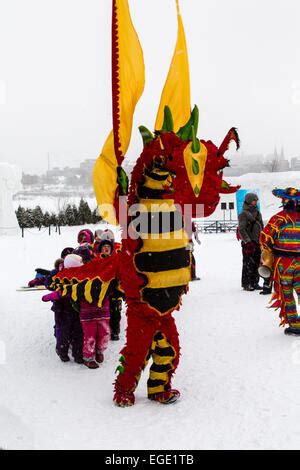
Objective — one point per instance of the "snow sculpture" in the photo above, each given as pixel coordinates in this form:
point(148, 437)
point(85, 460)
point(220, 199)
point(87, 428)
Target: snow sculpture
point(10, 183)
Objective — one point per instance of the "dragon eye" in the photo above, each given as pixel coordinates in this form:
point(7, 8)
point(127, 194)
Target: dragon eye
point(170, 157)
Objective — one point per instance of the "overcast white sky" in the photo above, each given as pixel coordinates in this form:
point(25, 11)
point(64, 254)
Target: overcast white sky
point(55, 74)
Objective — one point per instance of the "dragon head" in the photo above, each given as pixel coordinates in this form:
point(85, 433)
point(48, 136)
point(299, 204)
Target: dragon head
point(196, 165)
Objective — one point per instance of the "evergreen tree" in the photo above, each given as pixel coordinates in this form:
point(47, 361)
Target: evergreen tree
point(81, 212)
point(75, 215)
point(61, 218)
point(88, 213)
point(53, 219)
point(95, 216)
point(38, 217)
point(21, 216)
point(29, 218)
point(69, 215)
point(46, 219)
point(84, 213)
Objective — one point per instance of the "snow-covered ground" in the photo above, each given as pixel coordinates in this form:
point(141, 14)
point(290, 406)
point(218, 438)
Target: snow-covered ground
point(238, 372)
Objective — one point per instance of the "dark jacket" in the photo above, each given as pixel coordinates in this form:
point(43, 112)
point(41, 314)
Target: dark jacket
point(250, 220)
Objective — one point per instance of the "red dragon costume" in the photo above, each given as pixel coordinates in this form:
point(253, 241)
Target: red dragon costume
point(176, 175)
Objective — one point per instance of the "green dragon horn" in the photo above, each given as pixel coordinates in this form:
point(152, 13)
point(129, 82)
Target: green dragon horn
point(195, 142)
point(185, 132)
point(168, 125)
point(147, 136)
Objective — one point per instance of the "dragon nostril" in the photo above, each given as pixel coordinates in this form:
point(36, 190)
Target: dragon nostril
point(170, 157)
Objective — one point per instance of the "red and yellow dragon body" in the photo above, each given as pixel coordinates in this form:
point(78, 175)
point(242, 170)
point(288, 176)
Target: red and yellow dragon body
point(176, 177)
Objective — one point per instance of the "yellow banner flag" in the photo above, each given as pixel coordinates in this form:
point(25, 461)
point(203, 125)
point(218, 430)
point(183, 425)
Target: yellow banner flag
point(176, 92)
point(128, 80)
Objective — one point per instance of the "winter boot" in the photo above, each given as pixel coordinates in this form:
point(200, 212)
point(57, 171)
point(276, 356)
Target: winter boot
point(292, 331)
point(266, 291)
point(249, 288)
point(114, 337)
point(78, 360)
point(99, 357)
point(257, 287)
point(166, 397)
point(91, 364)
point(62, 357)
point(123, 397)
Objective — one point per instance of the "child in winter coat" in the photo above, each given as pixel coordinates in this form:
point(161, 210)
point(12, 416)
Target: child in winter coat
point(85, 239)
point(115, 298)
point(67, 329)
point(95, 323)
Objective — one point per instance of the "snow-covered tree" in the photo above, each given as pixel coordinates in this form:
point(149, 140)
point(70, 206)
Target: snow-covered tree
point(38, 216)
point(21, 216)
point(47, 219)
point(29, 217)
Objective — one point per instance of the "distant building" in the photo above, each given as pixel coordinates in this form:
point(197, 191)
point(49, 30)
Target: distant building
point(257, 163)
point(88, 164)
point(29, 179)
point(295, 164)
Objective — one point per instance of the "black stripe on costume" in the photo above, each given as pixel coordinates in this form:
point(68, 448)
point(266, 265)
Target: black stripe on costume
point(149, 355)
point(287, 254)
point(158, 336)
point(148, 193)
point(69, 290)
point(80, 290)
point(163, 299)
point(158, 222)
point(163, 352)
point(163, 260)
point(156, 176)
point(160, 368)
point(155, 383)
point(96, 289)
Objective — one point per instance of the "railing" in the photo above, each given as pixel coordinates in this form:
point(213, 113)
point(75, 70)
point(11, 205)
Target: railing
point(216, 226)
point(42, 229)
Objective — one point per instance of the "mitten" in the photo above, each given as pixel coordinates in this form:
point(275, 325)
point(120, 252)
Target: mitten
point(51, 297)
point(249, 248)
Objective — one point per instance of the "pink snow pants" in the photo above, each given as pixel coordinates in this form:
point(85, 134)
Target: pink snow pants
point(96, 334)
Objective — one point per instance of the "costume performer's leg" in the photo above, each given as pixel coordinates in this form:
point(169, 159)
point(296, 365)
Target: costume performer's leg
point(165, 355)
point(297, 279)
point(141, 328)
point(289, 279)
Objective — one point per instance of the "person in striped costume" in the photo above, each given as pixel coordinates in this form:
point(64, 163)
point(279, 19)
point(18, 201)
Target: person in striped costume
point(281, 238)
